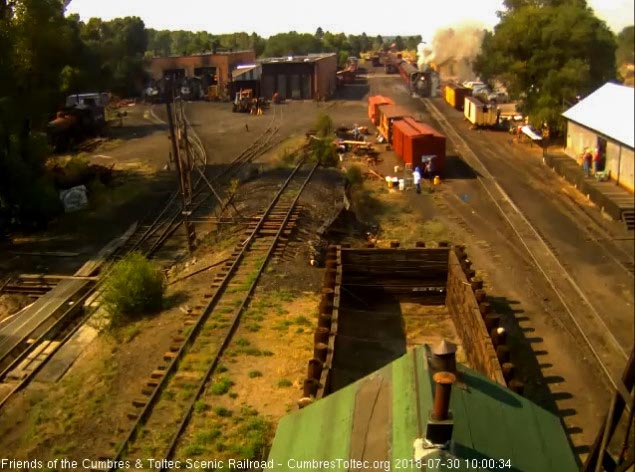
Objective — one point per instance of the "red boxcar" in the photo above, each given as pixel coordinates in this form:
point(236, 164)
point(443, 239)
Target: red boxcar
point(414, 139)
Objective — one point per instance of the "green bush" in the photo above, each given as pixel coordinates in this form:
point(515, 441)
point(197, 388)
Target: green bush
point(354, 176)
point(324, 125)
point(323, 151)
point(222, 386)
point(134, 287)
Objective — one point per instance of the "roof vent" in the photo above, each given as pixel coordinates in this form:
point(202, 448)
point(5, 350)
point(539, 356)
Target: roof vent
point(440, 421)
point(443, 357)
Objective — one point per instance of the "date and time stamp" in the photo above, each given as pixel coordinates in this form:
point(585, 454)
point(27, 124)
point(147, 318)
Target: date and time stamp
point(426, 463)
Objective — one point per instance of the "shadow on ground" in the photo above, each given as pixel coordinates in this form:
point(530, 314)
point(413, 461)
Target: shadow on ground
point(354, 91)
point(525, 355)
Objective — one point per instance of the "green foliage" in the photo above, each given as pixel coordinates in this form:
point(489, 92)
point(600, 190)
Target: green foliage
point(255, 435)
point(342, 58)
point(291, 43)
point(323, 125)
point(548, 53)
point(323, 151)
point(354, 176)
point(625, 53)
point(222, 412)
point(134, 287)
point(284, 383)
point(222, 386)
point(254, 373)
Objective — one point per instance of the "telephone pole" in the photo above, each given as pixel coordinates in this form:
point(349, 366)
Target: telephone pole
point(178, 136)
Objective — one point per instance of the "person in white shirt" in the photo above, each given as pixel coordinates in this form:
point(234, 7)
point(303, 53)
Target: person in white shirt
point(416, 178)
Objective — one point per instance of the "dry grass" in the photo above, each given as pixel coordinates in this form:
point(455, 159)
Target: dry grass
point(392, 211)
point(266, 368)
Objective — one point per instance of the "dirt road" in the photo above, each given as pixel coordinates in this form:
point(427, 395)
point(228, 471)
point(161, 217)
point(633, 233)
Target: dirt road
point(560, 371)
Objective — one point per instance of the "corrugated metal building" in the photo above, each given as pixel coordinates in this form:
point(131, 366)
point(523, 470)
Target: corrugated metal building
point(300, 77)
point(246, 77)
point(375, 423)
point(217, 67)
point(604, 120)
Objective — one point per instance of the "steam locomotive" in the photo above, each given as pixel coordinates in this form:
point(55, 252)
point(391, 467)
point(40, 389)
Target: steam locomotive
point(424, 84)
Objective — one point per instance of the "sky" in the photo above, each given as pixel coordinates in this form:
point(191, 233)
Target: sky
point(351, 17)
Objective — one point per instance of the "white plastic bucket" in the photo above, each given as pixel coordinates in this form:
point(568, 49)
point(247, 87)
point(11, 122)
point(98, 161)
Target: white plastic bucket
point(402, 184)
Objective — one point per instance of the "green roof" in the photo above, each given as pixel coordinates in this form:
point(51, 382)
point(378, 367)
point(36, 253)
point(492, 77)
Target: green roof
point(378, 418)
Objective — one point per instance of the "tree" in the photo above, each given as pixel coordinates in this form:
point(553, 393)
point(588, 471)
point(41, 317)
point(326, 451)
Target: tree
point(399, 44)
point(319, 33)
point(364, 43)
point(625, 53)
point(378, 43)
point(292, 43)
point(548, 53)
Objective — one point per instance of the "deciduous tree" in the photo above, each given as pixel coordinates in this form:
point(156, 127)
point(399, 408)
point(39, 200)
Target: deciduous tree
point(547, 53)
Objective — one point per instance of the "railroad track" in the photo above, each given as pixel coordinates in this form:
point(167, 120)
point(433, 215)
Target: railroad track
point(20, 363)
point(150, 237)
point(611, 356)
point(162, 412)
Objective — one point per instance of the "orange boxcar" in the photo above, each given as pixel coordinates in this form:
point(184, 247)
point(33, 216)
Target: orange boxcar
point(389, 114)
point(373, 103)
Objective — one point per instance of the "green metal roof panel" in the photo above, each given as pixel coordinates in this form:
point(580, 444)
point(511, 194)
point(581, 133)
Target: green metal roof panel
point(326, 424)
point(378, 418)
point(404, 407)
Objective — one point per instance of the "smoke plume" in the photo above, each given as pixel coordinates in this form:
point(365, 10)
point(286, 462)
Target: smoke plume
point(452, 51)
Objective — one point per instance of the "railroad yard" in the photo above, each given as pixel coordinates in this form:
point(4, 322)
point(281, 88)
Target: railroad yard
point(212, 374)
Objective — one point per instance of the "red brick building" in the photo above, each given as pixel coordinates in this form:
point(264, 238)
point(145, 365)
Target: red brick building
point(217, 66)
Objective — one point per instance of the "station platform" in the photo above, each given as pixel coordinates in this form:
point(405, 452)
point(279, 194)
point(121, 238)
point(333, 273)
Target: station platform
point(612, 199)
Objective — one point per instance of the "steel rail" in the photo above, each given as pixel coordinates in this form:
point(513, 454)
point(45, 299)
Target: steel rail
point(234, 324)
point(58, 324)
point(192, 335)
point(611, 372)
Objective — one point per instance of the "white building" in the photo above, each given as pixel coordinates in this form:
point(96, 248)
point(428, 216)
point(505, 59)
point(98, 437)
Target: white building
point(604, 120)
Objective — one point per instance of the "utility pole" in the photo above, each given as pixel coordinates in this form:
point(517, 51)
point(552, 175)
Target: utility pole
point(182, 168)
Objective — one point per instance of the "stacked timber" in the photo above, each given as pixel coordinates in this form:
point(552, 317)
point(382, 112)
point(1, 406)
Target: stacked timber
point(493, 352)
point(316, 385)
point(417, 275)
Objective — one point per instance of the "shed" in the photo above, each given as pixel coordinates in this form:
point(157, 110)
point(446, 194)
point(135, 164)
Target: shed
point(373, 423)
point(217, 66)
point(300, 77)
point(387, 115)
point(413, 139)
point(373, 102)
point(604, 120)
point(246, 76)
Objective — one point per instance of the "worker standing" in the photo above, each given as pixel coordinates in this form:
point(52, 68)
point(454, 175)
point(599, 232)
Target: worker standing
point(586, 161)
point(416, 179)
point(597, 159)
point(431, 169)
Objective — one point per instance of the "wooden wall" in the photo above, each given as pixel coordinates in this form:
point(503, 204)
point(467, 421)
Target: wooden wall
point(468, 319)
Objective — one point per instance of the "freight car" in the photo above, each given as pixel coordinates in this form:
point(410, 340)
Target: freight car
point(481, 114)
point(455, 96)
